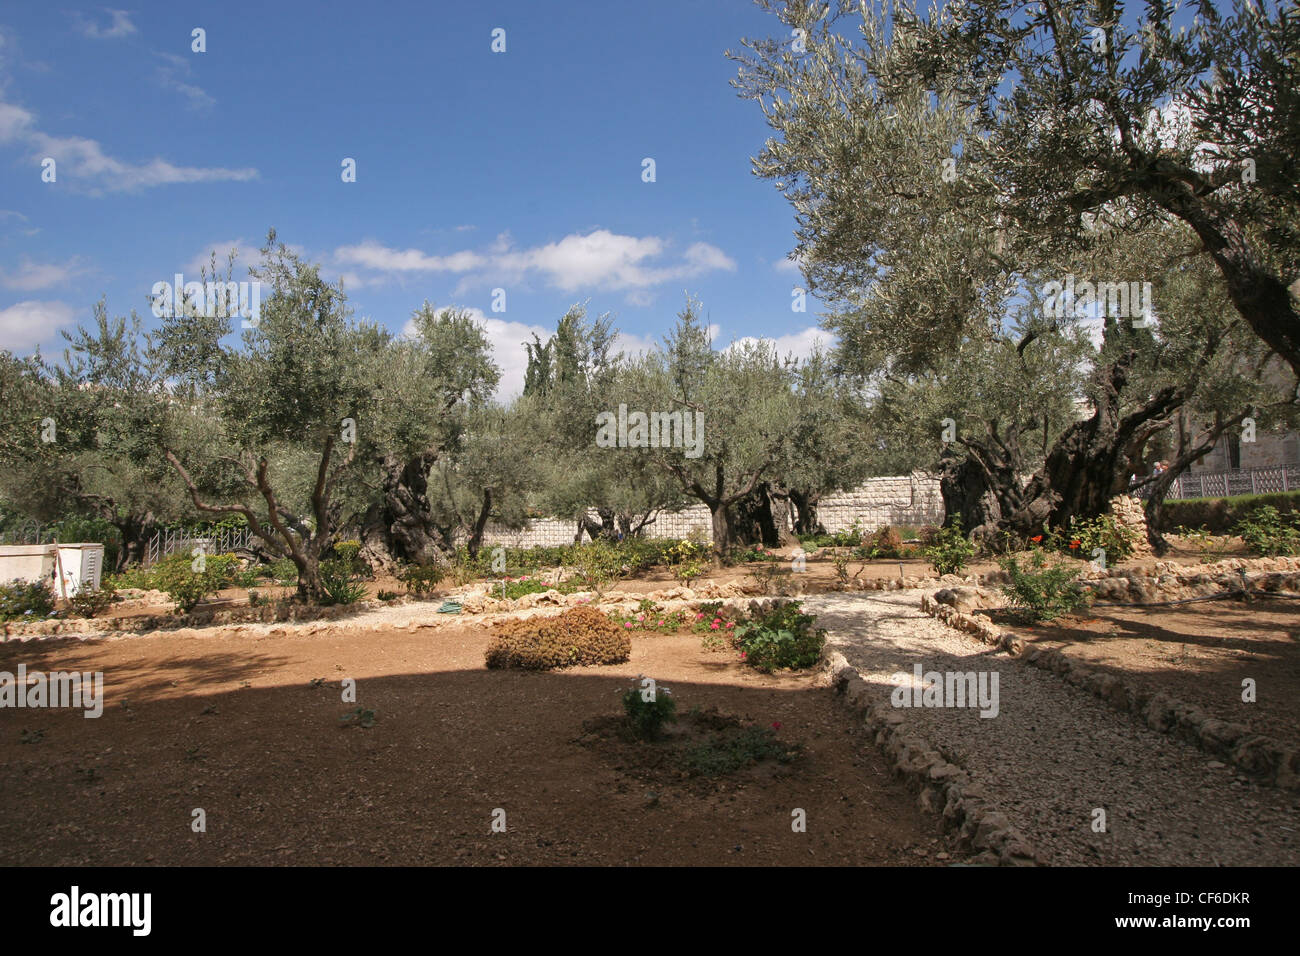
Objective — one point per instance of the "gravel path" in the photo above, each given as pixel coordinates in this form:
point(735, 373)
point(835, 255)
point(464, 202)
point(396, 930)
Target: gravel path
point(1054, 753)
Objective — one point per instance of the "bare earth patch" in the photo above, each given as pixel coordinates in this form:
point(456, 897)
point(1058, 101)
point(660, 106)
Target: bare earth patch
point(1197, 653)
point(229, 721)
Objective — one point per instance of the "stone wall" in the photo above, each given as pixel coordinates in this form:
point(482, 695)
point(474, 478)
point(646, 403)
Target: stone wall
point(912, 500)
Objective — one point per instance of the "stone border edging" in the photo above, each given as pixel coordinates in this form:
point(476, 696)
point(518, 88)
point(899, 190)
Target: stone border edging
point(1257, 754)
point(945, 788)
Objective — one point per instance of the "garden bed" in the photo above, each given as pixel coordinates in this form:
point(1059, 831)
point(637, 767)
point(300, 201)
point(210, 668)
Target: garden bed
point(247, 726)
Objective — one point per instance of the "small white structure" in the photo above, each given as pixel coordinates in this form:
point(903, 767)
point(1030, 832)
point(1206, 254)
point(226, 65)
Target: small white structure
point(68, 567)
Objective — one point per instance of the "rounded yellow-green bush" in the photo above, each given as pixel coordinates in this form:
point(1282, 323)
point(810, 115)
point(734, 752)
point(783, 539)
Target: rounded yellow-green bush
point(578, 637)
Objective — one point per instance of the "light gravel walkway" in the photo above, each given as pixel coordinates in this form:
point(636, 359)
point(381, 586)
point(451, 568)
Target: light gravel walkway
point(1055, 753)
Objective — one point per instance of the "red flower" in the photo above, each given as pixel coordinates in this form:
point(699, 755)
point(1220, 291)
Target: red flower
point(1036, 538)
point(1074, 544)
point(776, 725)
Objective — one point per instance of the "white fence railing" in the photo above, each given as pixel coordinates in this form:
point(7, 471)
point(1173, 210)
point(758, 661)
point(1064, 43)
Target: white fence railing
point(172, 540)
point(1239, 481)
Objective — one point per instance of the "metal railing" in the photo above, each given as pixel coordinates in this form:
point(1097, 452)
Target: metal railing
point(1226, 484)
point(1238, 481)
point(172, 540)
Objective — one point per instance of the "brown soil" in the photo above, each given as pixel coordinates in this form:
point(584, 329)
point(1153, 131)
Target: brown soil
point(1197, 653)
point(232, 724)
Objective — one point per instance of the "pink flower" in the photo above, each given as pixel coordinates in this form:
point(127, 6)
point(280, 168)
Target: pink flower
point(640, 617)
point(699, 617)
point(628, 624)
point(661, 623)
point(713, 626)
point(743, 655)
point(730, 625)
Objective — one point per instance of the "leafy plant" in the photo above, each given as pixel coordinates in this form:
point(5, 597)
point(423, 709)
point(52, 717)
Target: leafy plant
point(1041, 591)
point(283, 572)
point(349, 554)
point(1103, 531)
point(88, 603)
point(774, 579)
point(783, 637)
point(579, 636)
point(1266, 532)
point(176, 576)
point(27, 600)
point(361, 717)
point(422, 579)
point(728, 752)
point(338, 585)
point(1211, 546)
point(598, 564)
point(949, 549)
point(646, 718)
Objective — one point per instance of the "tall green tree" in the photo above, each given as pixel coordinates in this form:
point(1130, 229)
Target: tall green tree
point(269, 429)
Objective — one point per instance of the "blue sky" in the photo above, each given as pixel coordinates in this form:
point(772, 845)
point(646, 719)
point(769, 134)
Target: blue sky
point(475, 170)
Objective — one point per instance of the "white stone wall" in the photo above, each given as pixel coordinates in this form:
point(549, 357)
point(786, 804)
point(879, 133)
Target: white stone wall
point(908, 500)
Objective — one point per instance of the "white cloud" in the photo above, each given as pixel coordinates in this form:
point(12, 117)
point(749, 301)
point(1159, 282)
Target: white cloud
point(799, 344)
point(633, 346)
point(170, 77)
point(30, 276)
point(27, 324)
point(83, 162)
point(372, 255)
point(87, 160)
point(597, 260)
point(14, 121)
point(120, 25)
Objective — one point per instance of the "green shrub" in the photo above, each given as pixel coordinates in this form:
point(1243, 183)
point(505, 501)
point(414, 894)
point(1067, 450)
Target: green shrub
point(186, 587)
point(511, 589)
point(780, 638)
point(735, 749)
point(283, 572)
point(1041, 591)
point(87, 603)
point(598, 564)
point(688, 560)
point(26, 599)
point(348, 553)
point(1266, 532)
point(1221, 515)
point(422, 579)
point(949, 550)
point(1103, 531)
point(578, 637)
point(646, 718)
point(337, 580)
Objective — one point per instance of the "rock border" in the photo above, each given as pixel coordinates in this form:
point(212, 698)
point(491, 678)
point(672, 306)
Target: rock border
point(1257, 754)
point(944, 788)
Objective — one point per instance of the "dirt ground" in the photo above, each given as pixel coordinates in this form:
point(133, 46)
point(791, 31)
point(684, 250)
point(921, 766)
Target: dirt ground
point(1198, 653)
point(233, 725)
